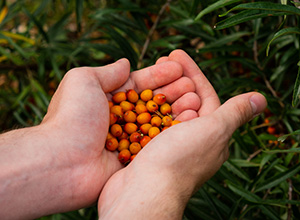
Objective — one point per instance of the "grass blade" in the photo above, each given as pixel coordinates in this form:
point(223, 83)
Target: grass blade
point(296, 93)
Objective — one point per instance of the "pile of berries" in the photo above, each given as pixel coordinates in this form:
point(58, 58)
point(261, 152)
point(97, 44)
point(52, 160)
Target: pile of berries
point(134, 120)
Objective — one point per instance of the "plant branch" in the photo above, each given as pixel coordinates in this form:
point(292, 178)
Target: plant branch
point(146, 44)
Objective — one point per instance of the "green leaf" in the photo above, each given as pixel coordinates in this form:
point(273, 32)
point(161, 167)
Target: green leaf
point(290, 30)
point(268, 6)
point(244, 16)
point(296, 93)
point(283, 137)
point(273, 181)
point(215, 6)
point(236, 170)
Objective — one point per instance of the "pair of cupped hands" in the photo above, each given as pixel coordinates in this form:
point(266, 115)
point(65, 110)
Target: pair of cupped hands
point(166, 173)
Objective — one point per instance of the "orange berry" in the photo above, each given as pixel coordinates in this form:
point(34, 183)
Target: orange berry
point(159, 99)
point(113, 118)
point(143, 118)
point(174, 122)
point(110, 104)
point(109, 136)
point(124, 156)
point(134, 147)
point(116, 130)
point(144, 140)
point(117, 110)
point(123, 144)
point(112, 144)
point(167, 121)
point(140, 102)
point(132, 96)
point(156, 121)
point(165, 109)
point(151, 106)
point(153, 132)
point(144, 128)
point(130, 127)
point(146, 95)
point(140, 108)
point(130, 116)
point(271, 130)
point(127, 106)
point(164, 128)
point(124, 135)
point(135, 137)
point(119, 97)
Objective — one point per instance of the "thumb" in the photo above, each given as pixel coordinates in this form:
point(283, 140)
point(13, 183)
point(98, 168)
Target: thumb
point(113, 76)
point(240, 109)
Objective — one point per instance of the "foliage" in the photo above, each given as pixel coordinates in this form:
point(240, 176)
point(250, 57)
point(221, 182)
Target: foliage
point(240, 45)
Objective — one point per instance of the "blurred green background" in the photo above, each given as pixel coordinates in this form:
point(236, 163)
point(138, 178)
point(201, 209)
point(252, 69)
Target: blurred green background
point(240, 46)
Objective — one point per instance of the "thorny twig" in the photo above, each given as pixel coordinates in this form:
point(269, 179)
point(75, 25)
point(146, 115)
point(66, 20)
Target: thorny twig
point(146, 44)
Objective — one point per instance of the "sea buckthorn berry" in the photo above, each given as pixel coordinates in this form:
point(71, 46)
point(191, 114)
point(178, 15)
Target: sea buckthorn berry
point(143, 118)
point(135, 137)
point(124, 156)
point(127, 106)
point(123, 136)
point(135, 147)
point(109, 135)
point(132, 96)
point(132, 157)
point(153, 132)
point(271, 130)
point(130, 127)
point(164, 128)
point(123, 144)
point(130, 116)
point(145, 140)
point(159, 99)
point(151, 106)
point(110, 104)
point(117, 110)
point(113, 118)
point(156, 121)
point(116, 130)
point(112, 144)
point(146, 95)
point(140, 102)
point(165, 109)
point(139, 108)
point(144, 128)
point(167, 121)
point(175, 122)
point(119, 97)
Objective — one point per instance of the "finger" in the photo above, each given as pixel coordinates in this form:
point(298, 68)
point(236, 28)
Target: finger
point(189, 101)
point(239, 110)
point(187, 115)
point(209, 99)
point(176, 89)
point(114, 75)
point(153, 77)
point(162, 60)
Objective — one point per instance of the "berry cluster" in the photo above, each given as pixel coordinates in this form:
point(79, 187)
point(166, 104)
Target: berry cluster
point(134, 120)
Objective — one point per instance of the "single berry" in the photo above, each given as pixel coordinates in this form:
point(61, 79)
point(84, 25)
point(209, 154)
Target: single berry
point(165, 109)
point(132, 96)
point(123, 144)
point(112, 144)
point(119, 97)
point(116, 130)
point(139, 108)
point(140, 102)
point(135, 137)
point(110, 104)
point(127, 106)
point(132, 157)
point(143, 118)
point(174, 122)
point(153, 132)
point(144, 128)
point(156, 121)
point(167, 121)
point(135, 147)
point(159, 99)
point(113, 118)
point(124, 135)
point(145, 140)
point(130, 127)
point(130, 116)
point(151, 106)
point(124, 156)
point(109, 136)
point(118, 111)
point(146, 95)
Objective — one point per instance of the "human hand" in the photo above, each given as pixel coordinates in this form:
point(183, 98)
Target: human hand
point(164, 175)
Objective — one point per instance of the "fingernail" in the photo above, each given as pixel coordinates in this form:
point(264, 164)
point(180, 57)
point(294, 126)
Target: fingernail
point(258, 103)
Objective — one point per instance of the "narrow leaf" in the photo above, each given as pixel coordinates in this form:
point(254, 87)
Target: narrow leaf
point(273, 181)
point(283, 137)
point(3, 13)
point(290, 30)
point(215, 6)
point(296, 93)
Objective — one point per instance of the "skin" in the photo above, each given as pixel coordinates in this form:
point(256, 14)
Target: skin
point(62, 165)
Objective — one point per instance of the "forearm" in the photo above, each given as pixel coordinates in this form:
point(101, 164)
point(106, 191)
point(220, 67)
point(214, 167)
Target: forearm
point(31, 184)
